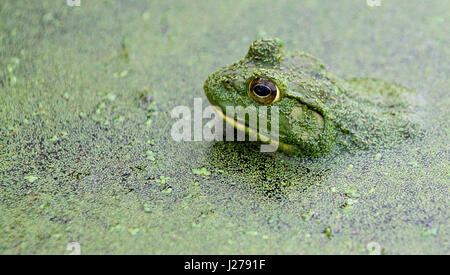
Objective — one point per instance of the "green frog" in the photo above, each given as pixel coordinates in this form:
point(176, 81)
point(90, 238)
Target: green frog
point(317, 111)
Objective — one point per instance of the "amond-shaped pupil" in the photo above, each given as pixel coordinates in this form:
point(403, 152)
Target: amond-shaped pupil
point(261, 90)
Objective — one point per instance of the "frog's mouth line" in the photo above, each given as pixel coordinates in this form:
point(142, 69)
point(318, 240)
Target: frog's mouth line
point(253, 132)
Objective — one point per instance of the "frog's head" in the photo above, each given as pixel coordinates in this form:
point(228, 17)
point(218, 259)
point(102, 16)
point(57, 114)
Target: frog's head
point(264, 78)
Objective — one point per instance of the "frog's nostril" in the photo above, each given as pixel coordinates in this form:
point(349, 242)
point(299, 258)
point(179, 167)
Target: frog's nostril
point(228, 85)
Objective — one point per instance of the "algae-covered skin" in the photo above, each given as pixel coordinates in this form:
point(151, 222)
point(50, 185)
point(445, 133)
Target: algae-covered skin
point(317, 109)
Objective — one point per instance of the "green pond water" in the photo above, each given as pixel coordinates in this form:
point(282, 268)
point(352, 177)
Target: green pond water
point(86, 153)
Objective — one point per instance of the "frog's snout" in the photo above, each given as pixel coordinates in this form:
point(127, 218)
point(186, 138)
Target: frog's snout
point(210, 87)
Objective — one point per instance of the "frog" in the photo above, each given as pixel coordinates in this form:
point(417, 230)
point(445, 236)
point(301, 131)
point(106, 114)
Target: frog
point(318, 112)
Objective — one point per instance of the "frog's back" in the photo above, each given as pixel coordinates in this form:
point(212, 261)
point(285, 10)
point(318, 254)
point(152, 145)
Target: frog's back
point(387, 112)
point(369, 112)
point(381, 92)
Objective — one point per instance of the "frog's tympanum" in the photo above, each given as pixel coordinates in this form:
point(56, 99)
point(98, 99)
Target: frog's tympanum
point(317, 110)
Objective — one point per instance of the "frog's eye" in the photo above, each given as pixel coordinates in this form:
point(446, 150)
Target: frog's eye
point(264, 91)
